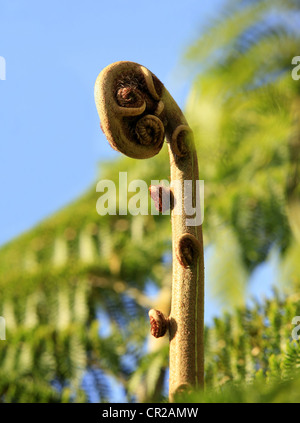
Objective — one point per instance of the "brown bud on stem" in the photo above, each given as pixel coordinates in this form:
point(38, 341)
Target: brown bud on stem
point(163, 198)
point(159, 323)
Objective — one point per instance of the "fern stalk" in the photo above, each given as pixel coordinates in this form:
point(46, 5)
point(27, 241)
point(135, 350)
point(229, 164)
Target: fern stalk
point(137, 113)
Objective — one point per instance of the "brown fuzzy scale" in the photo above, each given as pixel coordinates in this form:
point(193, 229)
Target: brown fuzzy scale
point(132, 80)
point(158, 323)
point(182, 139)
point(182, 144)
point(135, 85)
point(135, 129)
point(188, 250)
point(129, 97)
point(159, 193)
point(150, 130)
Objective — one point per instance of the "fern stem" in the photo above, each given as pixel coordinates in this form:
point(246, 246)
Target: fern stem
point(137, 113)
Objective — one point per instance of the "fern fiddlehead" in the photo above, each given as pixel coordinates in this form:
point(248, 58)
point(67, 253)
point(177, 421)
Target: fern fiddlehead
point(136, 113)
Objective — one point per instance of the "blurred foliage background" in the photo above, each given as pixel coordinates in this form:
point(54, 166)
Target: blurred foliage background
point(76, 289)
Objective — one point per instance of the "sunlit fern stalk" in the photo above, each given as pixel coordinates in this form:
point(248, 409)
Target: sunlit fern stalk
point(137, 113)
